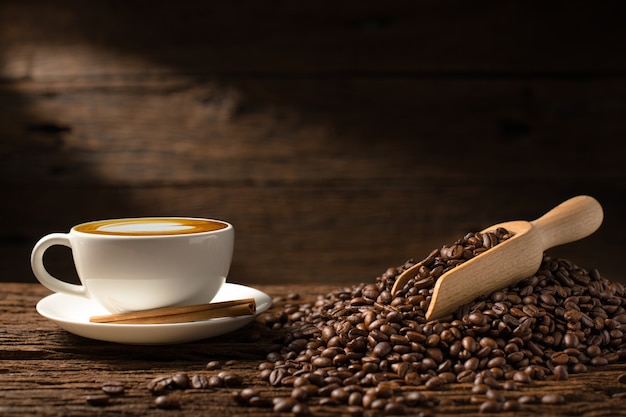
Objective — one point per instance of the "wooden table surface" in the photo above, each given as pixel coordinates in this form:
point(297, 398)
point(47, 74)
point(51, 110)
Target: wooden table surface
point(46, 371)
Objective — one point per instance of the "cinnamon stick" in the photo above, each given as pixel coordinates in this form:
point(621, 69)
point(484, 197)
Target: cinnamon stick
point(181, 314)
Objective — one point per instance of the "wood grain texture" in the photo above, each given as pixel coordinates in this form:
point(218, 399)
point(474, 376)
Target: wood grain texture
point(338, 139)
point(45, 371)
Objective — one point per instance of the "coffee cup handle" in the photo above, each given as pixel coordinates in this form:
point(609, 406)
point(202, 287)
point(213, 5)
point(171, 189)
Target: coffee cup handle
point(36, 263)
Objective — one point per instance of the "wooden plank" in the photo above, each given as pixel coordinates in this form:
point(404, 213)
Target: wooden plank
point(177, 131)
point(323, 234)
point(45, 371)
point(282, 163)
point(71, 39)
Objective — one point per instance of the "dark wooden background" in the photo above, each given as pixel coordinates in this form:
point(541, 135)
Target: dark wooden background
point(339, 138)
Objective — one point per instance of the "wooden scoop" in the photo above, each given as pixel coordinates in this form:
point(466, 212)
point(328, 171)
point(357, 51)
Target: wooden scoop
point(514, 259)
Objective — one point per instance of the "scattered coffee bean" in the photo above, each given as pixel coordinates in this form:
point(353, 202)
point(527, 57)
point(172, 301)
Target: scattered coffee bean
point(490, 406)
point(160, 384)
point(299, 394)
point(251, 397)
point(215, 381)
point(560, 373)
point(284, 405)
point(230, 379)
point(510, 386)
point(260, 402)
point(512, 405)
point(415, 399)
point(213, 365)
point(113, 388)
point(240, 398)
point(395, 409)
point(199, 381)
point(527, 399)
point(480, 388)
point(522, 377)
point(180, 380)
point(248, 393)
point(168, 401)
point(552, 399)
point(494, 396)
point(301, 410)
point(435, 383)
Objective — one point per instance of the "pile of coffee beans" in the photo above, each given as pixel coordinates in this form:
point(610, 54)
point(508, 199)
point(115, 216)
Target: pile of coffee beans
point(362, 347)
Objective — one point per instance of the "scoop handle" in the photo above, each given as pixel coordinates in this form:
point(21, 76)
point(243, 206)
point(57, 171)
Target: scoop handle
point(571, 220)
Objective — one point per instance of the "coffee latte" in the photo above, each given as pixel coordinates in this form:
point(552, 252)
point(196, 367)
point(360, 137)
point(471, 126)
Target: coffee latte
point(142, 263)
point(150, 226)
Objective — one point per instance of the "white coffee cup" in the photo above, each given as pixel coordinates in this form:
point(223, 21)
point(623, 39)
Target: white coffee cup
point(142, 263)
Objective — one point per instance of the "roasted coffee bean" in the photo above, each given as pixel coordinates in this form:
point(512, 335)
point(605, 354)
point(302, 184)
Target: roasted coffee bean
point(299, 394)
point(435, 383)
point(251, 397)
point(522, 377)
point(240, 398)
point(393, 408)
point(355, 398)
point(414, 399)
point(301, 410)
point(559, 358)
point(168, 401)
point(284, 405)
point(511, 405)
point(527, 399)
point(180, 380)
point(552, 399)
point(113, 388)
point(215, 381)
point(276, 376)
point(379, 404)
point(383, 390)
point(247, 393)
point(488, 379)
point(466, 376)
point(260, 402)
point(509, 386)
point(160, 384)
point(494, 395)
point(560, 373)
point(599, 361)
point(490, 406)
point(213, 365)
point(199, 381)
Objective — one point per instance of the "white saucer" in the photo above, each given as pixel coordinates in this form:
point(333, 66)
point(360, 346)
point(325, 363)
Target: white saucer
point(72, 312)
